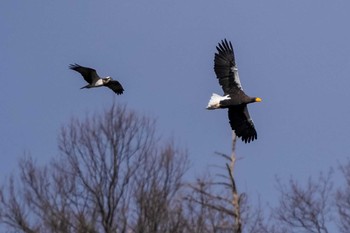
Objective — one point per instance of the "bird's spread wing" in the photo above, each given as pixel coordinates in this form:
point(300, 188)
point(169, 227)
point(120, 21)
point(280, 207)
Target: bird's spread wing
point(241, 123)
point(115, 86)
point(89, 74)
point(225, 67)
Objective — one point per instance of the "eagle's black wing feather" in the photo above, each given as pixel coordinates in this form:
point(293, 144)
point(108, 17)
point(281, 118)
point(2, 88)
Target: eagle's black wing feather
point(115, 86)
point(241, 123)
point(88, 74)
point(225, 68)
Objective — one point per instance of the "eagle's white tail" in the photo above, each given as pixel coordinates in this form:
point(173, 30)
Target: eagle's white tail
point(214, 101)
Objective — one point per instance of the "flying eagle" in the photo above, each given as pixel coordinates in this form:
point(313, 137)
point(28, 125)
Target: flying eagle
point(234, 98)
point(94, 80)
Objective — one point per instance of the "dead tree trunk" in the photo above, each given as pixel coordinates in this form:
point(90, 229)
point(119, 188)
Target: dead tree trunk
point(235, 195)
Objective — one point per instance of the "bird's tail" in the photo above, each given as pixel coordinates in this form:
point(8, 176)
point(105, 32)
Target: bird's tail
point(87, 86)
point(214, 101)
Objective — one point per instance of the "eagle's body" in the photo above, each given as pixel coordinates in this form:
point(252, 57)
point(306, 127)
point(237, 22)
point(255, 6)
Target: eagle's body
point(90, 75)
point(234, 97)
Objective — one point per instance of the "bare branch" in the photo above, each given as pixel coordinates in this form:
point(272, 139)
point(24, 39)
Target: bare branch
point(113, 175)
point(343, 200)
point(307, 207)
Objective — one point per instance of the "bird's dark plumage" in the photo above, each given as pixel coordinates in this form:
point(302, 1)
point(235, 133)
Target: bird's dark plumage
point(115, 86)
point(241, 123)
point(90, 75)
point(235, 99)
point(224, 64)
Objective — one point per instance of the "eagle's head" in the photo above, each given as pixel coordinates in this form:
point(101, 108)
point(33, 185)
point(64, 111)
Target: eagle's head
point(107, 79)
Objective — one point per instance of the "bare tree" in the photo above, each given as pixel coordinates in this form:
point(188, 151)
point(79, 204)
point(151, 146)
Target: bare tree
point(236, 198)
point(158, 206)
point(215, 205)
point(113, 175)
point(218, 202)
point(208, 208)
point(305, 209)
point(343, 200)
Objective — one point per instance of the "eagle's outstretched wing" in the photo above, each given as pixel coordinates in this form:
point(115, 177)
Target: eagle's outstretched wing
point(241, 123)
point(115, 86)
point(88, 74)
point(225, 68)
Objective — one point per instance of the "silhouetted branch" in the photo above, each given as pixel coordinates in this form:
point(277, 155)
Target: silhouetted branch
point(307, 207)
point(113, 175)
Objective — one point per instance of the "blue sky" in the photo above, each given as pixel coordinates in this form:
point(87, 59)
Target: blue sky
point(295, 55)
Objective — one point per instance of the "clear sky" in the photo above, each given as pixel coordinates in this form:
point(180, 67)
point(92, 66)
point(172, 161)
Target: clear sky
point(295, 55)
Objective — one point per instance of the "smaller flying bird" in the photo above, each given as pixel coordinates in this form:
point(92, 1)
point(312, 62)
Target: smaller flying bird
point(234, 99)
point(90, 75)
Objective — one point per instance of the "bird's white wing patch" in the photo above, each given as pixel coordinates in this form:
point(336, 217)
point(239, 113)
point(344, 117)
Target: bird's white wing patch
point(236, 77)
point(98, 83)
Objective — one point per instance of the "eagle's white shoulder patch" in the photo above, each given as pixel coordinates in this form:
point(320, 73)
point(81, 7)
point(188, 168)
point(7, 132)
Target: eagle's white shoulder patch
point(236, 77)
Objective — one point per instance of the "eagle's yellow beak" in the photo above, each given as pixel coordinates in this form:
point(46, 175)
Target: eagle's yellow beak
point(258, 99)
